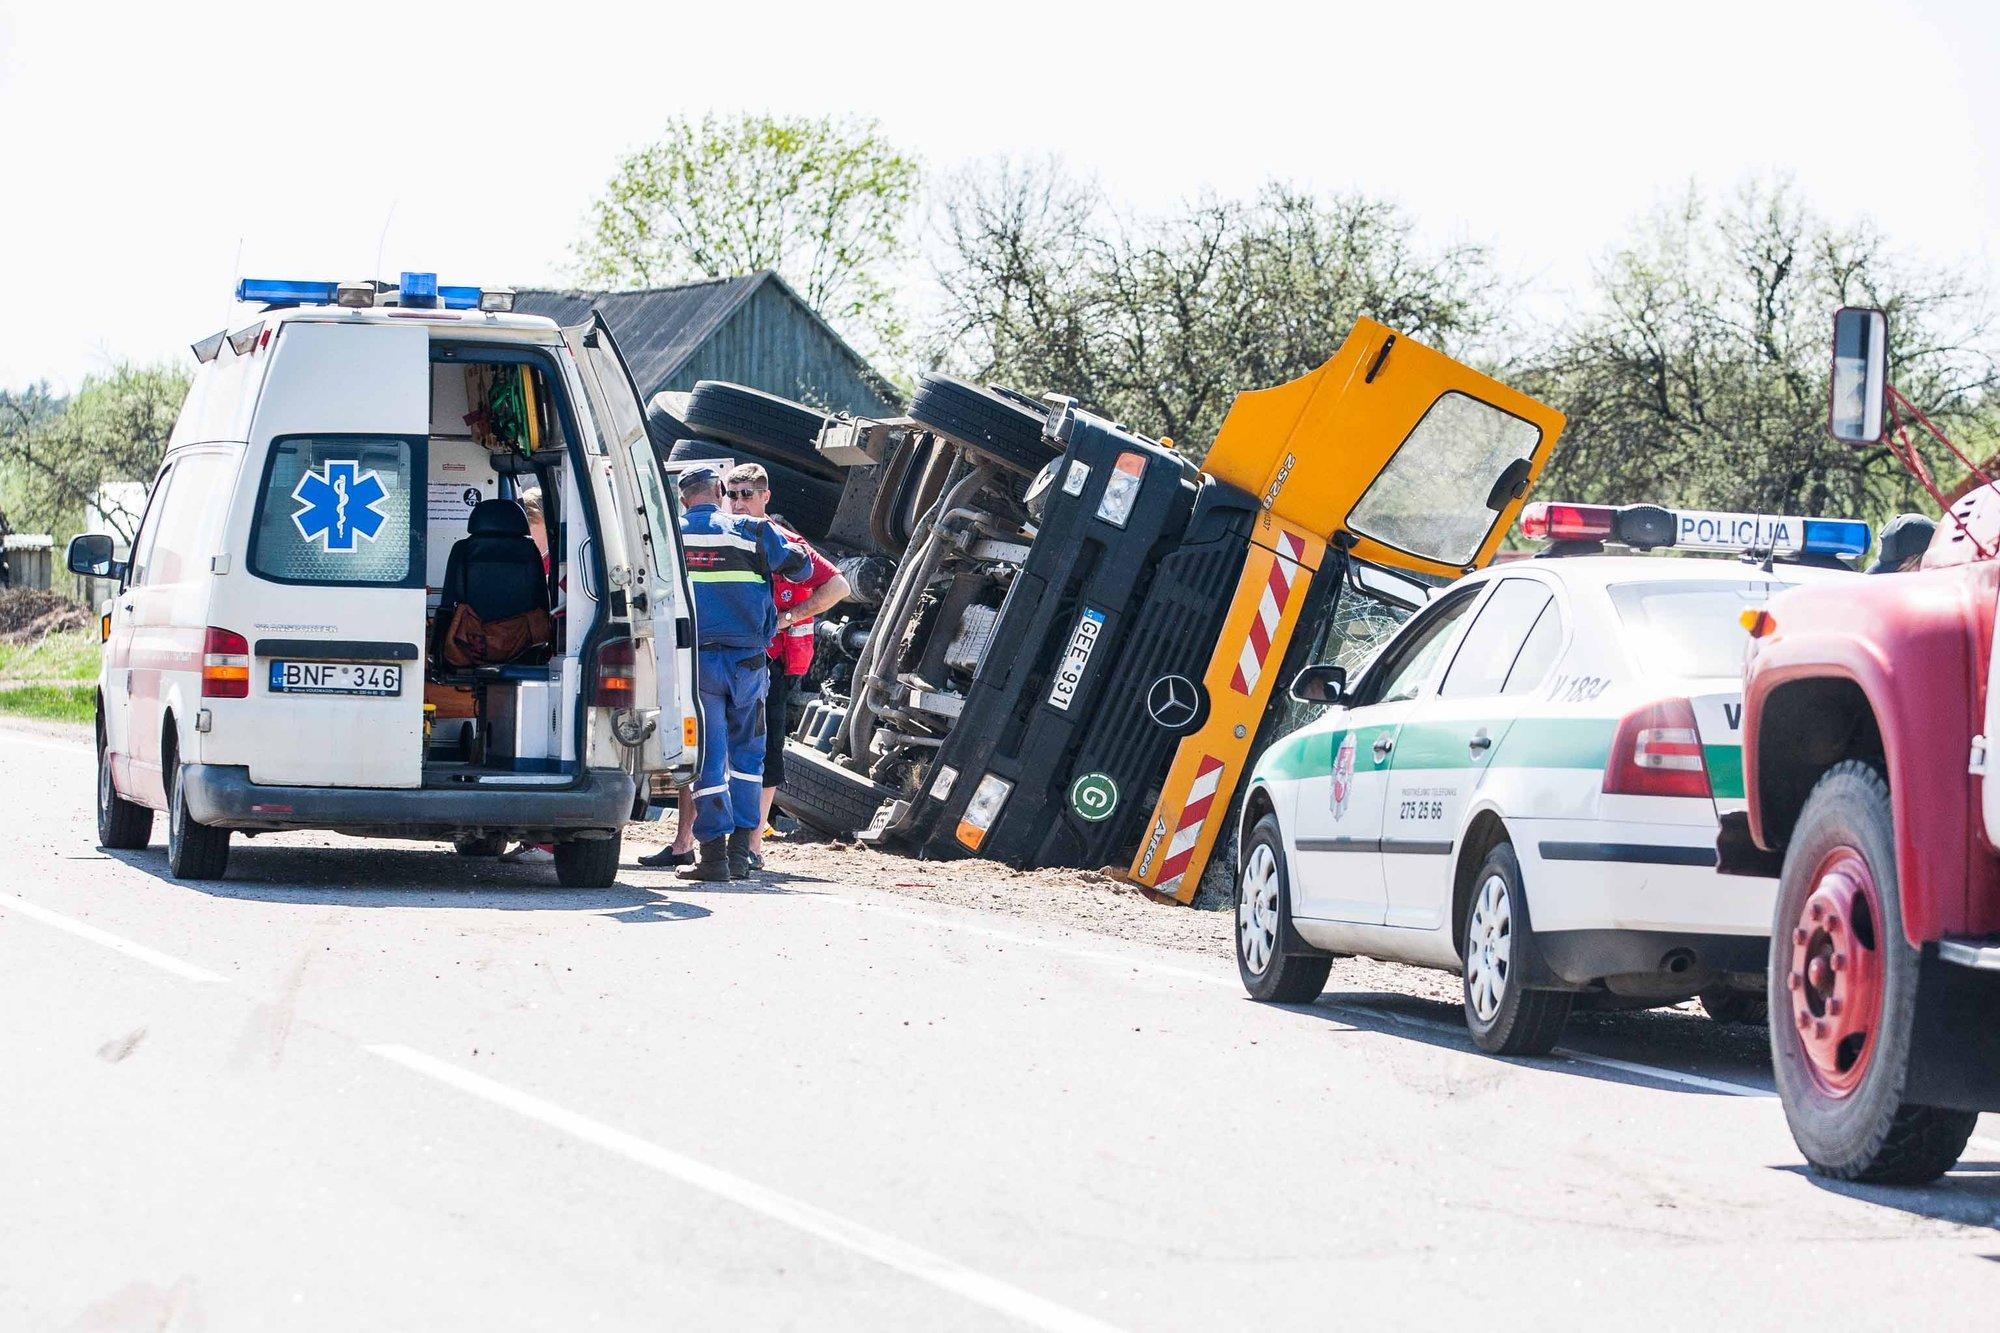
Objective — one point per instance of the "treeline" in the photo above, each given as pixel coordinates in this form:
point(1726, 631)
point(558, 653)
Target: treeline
point(58, 454)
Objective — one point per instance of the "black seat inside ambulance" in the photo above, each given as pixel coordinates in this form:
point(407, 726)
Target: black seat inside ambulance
point(496, 569)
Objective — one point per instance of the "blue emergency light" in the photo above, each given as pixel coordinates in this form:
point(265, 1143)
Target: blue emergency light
point(1836, 536)
point(417, 291)
point(285, 291)
point(1645, 527)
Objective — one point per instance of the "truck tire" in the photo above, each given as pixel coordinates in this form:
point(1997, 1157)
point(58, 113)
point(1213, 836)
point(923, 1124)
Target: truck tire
point(1505, 1016)
point(1273, 969)
point(121, 825)
point(588, 863)
point(769, 426)
point(1842, 994)
point(996, 425)
point(194, 851)
point(806, 501)
point(822, 795)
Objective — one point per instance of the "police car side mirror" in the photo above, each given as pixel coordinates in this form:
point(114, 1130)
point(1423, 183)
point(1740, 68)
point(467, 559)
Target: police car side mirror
point(1860, 380)
point(1320, 685)
point(92, 556)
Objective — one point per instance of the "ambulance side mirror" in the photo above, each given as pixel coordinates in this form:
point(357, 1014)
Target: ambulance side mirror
point(1320, 685)
point(93, 556)
point(1860, 380)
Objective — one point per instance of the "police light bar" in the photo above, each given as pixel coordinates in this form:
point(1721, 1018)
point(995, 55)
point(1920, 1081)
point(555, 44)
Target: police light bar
point(1646, 527)
point(418, 291)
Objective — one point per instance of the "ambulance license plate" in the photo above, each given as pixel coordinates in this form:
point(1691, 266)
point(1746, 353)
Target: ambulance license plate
point(336, 678)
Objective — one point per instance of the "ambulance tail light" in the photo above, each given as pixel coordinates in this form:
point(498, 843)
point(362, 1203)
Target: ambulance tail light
point(1657, 752)
point(225, 665)
point(1121, 489)
point(612, 687)
point(1547, 521)
point(984, 807)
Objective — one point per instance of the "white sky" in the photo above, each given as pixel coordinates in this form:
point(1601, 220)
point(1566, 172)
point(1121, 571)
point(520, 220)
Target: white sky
point(144, 144)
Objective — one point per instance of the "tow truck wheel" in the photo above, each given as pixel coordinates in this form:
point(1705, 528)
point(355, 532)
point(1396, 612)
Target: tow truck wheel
point(1842, 994)
point(996, 425)
point(1274, 969)
point(588, 863)
point(1503, 1014)
point(194, 851)
point(120, 824)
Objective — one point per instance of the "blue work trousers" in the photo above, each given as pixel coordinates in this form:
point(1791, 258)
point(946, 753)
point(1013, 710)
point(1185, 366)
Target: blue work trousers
point(728, 793)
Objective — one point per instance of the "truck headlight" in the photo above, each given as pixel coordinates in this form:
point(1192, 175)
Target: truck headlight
point(983, 809)
point(941, 785)
point(1121, 489)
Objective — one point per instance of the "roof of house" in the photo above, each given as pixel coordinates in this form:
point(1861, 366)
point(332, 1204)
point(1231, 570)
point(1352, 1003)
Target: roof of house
point(659, 328)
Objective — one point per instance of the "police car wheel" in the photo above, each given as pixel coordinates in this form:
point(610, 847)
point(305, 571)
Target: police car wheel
point(1842, 991)
point(1274, 968)
point(588, 863)
point(194, 851)
point(1000, 426)
point(1505, 1016)
point(120, 824)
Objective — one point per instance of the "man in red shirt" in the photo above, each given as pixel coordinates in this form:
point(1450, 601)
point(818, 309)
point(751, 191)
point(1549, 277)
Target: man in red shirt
point(749, 490)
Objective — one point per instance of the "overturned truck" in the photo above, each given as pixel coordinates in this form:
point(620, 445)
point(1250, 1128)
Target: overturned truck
point(1078, 649)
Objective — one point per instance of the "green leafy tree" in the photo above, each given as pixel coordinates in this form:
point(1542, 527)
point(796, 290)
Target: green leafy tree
point(56, 458)
point(823, 200)
point(1159, 320)
point(1695, 372)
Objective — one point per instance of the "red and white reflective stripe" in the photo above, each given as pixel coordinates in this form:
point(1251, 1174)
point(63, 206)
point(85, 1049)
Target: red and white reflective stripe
point(1180, 851)
point(1270, 610)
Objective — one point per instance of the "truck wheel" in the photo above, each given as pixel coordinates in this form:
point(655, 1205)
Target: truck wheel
point(120, 824)
point(984, 421)
point(1724, 1004)
point(479, 844)
point(589, 863)
point(1504, 1015)
point(1843, 990)
point(806, 501)
point(822, 795)
point(194, 851)
point(765, 424)
point(1273, 969)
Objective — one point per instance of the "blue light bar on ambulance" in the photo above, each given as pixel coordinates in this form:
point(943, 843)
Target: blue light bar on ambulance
point(417, 291)
point(1645, 527)
point(284, 291)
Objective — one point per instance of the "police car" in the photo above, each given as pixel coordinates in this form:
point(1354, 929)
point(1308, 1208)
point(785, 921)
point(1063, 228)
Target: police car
point(1524, 783)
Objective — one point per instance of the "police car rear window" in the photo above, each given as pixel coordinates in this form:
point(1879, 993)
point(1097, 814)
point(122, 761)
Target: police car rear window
point(1689, 627)
point(337, 510)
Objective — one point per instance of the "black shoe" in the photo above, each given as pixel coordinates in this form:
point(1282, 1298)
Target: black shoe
point(742, 861)
point(667, 856)
point(713, 866)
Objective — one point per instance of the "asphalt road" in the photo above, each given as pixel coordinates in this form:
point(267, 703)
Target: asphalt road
point(367, 1086)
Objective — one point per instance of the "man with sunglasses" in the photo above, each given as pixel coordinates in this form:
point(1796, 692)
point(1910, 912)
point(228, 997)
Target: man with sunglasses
point(797, 600)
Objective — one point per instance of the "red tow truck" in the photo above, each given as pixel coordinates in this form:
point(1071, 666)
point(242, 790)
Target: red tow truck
point(1867, 714)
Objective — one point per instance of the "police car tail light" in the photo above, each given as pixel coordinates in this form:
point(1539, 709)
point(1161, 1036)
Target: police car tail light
point(1657, 752)
point(1121, 489)
point(1548, 521)
point(225, 665)
point(613, 686)
point(983, 809)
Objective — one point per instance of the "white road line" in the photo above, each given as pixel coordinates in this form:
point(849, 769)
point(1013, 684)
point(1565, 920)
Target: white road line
point(884, 1249)
point(1053, 946)
point(139, 951)
point(66, 747)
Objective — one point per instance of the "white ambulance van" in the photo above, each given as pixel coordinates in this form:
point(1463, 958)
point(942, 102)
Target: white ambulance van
point(351, 469)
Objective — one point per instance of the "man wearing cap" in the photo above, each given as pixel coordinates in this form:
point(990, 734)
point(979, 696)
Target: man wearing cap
point(749, 489)
point(731, 560)
point(1903, 542)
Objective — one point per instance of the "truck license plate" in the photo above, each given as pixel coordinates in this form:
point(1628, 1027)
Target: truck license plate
point(1069, 673)
point(335, 678)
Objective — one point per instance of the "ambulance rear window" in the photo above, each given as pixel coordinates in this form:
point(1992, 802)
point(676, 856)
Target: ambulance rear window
point(336, 509)
point(1689, 627)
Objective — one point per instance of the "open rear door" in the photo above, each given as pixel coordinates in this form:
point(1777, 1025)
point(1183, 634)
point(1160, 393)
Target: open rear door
point(1423, 461)
point(661, 602)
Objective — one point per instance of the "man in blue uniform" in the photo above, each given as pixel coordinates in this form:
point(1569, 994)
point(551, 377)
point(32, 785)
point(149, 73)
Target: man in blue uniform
point(730, 560)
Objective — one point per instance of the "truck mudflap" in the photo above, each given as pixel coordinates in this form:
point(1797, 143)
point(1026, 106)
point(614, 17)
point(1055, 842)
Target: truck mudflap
point(1058, 634)
point(1250, 656)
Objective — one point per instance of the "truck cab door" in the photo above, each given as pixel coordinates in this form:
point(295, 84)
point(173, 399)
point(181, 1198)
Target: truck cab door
point(660, 599)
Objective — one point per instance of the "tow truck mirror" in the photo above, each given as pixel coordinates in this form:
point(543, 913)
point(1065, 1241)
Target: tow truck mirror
point(1320, 685)
point(93, 556)
point(1860, 375)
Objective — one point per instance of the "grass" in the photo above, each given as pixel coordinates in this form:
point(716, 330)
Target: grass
point(54, 657)
point(51, 703)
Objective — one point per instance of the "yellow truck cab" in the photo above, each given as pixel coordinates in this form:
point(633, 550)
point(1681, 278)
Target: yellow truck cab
point(408, 569)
